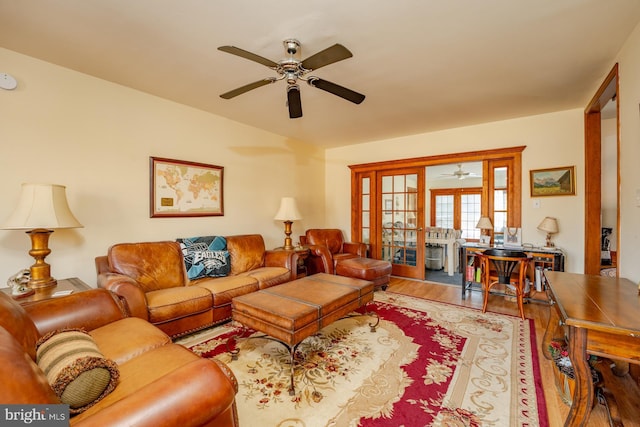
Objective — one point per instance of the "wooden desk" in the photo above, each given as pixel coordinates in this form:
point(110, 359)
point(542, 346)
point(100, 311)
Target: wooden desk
point(601, 316)
point(545, 259)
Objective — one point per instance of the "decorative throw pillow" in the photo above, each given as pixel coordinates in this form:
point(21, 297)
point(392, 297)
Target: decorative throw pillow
point(77, 371)
point(205, 256)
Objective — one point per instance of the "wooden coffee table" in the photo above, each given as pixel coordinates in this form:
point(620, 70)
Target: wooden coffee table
point(293, 311)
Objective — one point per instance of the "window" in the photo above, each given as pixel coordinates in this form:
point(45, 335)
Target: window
point(457, 208)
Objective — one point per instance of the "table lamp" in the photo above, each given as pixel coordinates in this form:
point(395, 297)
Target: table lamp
point(288, 213)
point(484, 224)
point(550, 226)
point(41, 209)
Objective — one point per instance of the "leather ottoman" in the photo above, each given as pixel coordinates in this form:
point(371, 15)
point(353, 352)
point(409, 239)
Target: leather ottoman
point(374, 270)
point(293, 311)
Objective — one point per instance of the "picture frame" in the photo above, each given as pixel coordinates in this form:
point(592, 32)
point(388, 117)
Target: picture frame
point(512, 237)
point(553, 181)
point(181, 188)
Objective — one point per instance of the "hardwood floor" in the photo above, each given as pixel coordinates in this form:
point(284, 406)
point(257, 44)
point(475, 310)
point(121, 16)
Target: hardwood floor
point(625, 389)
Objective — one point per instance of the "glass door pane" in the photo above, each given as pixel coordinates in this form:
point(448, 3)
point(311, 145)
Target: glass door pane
point(401, 222)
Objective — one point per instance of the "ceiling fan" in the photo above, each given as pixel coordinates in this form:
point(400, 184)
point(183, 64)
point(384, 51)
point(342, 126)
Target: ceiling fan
point(293, 69)
point(460, 174)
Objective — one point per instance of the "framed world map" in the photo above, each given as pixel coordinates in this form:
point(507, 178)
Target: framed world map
point(181, 189)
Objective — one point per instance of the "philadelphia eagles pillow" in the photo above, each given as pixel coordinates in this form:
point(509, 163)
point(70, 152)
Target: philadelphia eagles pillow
point(205, 256)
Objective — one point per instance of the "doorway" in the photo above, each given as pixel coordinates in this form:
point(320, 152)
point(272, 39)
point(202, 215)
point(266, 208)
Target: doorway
point(602, 178)
point(374, 210)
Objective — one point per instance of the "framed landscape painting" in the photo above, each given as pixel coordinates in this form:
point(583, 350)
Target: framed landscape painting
point(553, 182)
point(183, 189)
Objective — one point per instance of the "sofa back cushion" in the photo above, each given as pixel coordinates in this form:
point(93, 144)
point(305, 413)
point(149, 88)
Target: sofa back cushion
point(329, 237)
point(154, 265)
point(205, 256)
point(17, 322)
point(246, 251)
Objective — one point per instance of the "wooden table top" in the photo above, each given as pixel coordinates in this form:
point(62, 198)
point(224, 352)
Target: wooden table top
point(597, 303)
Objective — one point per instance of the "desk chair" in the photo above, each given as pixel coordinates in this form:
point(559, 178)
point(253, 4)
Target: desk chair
point(497, 268)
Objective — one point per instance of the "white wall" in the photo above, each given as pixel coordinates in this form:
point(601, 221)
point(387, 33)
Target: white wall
point(629, 85)
point(609, 178)
point(95, 137)
point(552, 140)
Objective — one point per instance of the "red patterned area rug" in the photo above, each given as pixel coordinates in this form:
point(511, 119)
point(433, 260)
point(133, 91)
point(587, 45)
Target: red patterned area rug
point(428, 364)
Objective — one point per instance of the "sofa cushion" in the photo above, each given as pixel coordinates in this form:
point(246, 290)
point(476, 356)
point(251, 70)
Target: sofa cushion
point(78, 373)
point(270, 276)
point(154, 265)
point(223, 289)
point(247, 252)
point(174, 303)
point(128, 338)
point(205, 256)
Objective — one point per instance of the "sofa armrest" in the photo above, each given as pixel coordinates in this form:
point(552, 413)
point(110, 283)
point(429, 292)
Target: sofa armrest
point(320, 260)
point(192, 395)
point(88, 310)
point(284, 259)
point(356, 248)
point(127, 289)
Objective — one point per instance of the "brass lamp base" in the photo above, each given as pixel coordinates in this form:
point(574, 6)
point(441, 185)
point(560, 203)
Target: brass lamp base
point(40, 271)
point(288, 243)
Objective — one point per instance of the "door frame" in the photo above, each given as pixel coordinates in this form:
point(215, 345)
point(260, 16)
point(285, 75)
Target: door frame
point(371, 170)
point(593, 171)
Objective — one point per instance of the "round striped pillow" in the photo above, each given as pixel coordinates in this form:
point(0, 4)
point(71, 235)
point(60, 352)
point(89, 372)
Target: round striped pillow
point(76, 369)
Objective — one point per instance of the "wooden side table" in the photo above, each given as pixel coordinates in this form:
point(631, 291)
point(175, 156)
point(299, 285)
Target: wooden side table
point(303, 253)
point(62, 288)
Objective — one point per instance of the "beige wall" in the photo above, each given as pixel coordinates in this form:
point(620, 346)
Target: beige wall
point(629, 80)
point(96, 137)
point(552, 140)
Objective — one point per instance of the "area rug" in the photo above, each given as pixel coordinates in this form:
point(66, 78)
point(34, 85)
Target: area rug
point(427, 364)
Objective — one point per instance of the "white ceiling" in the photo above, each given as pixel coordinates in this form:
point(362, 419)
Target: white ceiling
point(424, 65)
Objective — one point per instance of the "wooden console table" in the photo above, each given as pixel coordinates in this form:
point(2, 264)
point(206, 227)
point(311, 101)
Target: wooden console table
point(601, 317)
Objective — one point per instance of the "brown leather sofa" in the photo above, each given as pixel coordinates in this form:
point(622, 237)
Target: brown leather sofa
point(152, 278)
point(330, 253)
point(159, 384)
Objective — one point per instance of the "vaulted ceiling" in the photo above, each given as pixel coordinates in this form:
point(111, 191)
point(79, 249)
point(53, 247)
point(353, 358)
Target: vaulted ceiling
point(423, 65)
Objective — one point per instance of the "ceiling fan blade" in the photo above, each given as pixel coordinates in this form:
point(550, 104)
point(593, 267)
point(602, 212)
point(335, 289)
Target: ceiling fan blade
point(247, 88)
point(294, 102)
point(332, 54)
point(338, 90)
point(248, 55)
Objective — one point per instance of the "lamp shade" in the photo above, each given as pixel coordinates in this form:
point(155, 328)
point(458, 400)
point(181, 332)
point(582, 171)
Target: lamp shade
point(484, 223)
point(288, 210)
point(41, 206)
point(549, 225)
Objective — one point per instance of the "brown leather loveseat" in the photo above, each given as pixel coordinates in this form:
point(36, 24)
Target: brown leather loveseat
point(158, 383)
point(152, 278)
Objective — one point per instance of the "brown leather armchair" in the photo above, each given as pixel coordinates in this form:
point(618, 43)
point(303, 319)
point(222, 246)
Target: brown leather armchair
point(327, 247)
point(160, 383)
point(329, 253)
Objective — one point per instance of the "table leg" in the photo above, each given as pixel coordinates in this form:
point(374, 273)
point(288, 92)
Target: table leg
point(550, 332)
point(583, 394)
point(450, 259)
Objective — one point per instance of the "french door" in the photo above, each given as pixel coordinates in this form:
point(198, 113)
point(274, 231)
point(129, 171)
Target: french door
point(388, 202)
point(402, 220)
